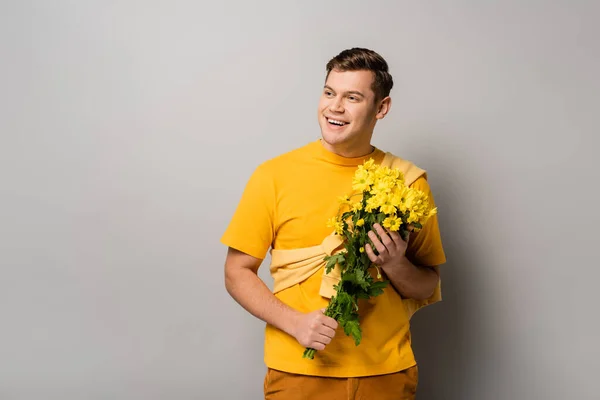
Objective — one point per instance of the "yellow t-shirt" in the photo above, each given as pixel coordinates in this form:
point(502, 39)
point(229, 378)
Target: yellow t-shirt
point(285, 205)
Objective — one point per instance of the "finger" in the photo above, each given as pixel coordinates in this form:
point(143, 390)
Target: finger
point(385, 237)
point(325, 340)
point(330, 323)
point(376, 242)
point(317, 345)
point(397, 239)
point(316, 337)
point(326, 331)
point(408, 234)
point(374, 259)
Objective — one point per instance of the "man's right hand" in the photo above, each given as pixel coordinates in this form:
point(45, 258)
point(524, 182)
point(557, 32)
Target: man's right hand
point(315, 330)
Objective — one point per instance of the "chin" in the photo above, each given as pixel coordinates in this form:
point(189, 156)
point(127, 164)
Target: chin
point(333, 138)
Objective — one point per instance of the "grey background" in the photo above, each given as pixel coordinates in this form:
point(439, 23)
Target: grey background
point(128, 129)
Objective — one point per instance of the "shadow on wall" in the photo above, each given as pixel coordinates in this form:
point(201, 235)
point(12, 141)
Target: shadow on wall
point(441, 332)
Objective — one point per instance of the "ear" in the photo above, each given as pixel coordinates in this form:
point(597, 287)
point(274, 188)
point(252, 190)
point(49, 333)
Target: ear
point(384, 107)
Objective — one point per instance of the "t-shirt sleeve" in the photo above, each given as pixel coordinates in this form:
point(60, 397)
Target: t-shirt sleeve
point(425, 246)
point(251, 229)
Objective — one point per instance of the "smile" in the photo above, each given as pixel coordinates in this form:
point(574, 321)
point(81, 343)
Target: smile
point(336, 122)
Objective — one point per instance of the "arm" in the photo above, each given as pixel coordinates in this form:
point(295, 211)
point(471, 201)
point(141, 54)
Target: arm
point(313, 330)
point(412, 281)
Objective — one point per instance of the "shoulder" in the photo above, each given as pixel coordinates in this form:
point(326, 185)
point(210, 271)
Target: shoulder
point(283, 162)
point(412, 172)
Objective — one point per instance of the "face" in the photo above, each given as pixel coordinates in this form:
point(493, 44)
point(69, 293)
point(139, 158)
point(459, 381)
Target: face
point(348, 112)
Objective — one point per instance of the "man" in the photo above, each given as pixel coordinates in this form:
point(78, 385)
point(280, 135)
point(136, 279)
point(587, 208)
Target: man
point(285, 206)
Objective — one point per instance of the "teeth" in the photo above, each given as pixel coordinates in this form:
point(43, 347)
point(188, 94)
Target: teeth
point(333, 121)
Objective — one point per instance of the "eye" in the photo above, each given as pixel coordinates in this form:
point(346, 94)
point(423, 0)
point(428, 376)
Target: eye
point(352, 98)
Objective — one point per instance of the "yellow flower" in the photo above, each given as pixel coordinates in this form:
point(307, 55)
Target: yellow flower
point(412, 217)
point(383, 185)
point(357, 206)
point(392, 223)
point(416, 203)
point(397, 175)
point(336, 223)
point(386, 204)
point(382, 172)
point(396, 199)
point(374, 202)
point(410, 199)
point(369, 164)
point(362, 250)
point(344, 199)
point(360, 222)
point(332, 221)
point(362, 180)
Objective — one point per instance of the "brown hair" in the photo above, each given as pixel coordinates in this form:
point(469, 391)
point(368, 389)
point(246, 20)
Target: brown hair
point(357, 59)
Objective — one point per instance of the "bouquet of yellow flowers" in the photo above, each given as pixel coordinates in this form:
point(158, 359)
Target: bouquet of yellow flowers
point(383, 198)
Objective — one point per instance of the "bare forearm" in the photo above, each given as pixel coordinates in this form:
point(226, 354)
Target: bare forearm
point(252, 294)
point(412, 281)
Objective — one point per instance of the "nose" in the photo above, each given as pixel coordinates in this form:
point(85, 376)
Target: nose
point(336, 105)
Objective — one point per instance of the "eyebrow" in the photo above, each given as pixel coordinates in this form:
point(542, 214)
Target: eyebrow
point(350, 92)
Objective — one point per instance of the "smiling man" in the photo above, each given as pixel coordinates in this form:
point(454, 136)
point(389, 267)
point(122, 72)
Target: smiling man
point(285, 207)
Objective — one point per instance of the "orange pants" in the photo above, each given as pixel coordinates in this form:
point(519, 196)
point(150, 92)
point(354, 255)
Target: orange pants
point(285, 386)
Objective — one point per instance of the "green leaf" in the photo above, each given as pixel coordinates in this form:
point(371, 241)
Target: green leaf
point(333, 260)
point(349, 277)
point(352, 328)
point(377, 288)
point(370, 220)
point(330, 264)
point(360, 279)
point(364, 259)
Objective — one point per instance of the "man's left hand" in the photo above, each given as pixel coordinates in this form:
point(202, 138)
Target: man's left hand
point(391, 248)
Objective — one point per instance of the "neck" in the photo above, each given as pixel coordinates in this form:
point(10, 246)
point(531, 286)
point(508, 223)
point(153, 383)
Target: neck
point(349, 151)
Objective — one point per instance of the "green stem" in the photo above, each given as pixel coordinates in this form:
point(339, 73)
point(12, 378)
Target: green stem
point(309, 353)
